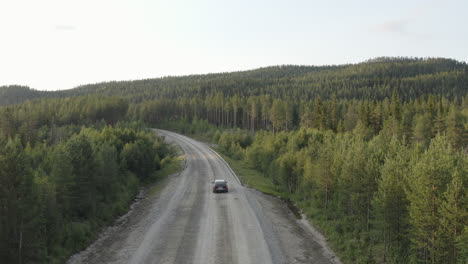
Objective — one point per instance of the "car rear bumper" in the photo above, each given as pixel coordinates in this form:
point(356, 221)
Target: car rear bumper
point(220, 190)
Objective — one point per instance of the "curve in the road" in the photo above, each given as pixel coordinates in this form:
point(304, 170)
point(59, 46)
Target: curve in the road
point(230, 231)
point(187, 223)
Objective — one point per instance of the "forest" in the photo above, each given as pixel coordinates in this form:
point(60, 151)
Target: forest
point(378, 200)
point(374, 79)
point(68, 167)
point(385, 181)
point(374, 153)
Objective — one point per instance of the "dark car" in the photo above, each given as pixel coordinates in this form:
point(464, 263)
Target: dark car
point(220, 186)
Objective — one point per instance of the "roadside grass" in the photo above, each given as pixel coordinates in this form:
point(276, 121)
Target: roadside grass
point(206, 137)
point(251, 177)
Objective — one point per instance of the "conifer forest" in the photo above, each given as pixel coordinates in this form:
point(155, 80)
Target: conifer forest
point(374, 153)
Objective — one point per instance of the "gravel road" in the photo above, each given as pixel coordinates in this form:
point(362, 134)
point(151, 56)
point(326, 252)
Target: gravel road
point(186, 223)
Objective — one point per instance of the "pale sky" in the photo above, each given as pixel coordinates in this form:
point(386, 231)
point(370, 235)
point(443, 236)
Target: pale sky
point(52, 45)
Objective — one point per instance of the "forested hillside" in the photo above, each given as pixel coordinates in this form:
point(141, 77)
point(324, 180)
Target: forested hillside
point(14, 94)
point(375, 153)
point(375, 79)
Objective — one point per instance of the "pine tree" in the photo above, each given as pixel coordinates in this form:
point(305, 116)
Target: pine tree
point(307, 119)
point(83, 163)
point(62, 175)
point(8, 124)
point(332, 112)
point(351, 118)
point(454, 216)
point(395, 106)
point(390, 205)
point(318, 114)
point(277, 115)
point(426, 184)
point(455, 129)
point(422, 129)
point(20, 218)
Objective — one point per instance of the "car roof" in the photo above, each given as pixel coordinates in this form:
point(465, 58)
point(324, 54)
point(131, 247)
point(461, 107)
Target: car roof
point(220, 181)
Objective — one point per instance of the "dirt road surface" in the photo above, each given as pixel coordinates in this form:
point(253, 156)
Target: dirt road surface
point(186, 223)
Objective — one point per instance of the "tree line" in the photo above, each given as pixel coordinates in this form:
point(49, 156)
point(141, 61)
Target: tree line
point(415, 120)
point(375, 79)
point(44, 119)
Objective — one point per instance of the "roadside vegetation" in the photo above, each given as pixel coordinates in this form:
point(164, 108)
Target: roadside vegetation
point(376, 200)
point(66, 174)
point(251, 177)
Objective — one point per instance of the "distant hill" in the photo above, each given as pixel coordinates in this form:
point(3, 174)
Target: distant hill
point(372, 79)
point(16, 94)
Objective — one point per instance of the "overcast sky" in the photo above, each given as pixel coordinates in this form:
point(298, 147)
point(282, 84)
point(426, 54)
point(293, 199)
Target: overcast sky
point(51, 45)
